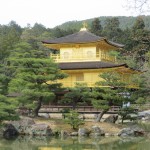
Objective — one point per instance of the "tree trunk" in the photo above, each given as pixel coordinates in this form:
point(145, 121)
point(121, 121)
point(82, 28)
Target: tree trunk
point(36, 110)
point(123, 117)
point(74, 104)
point(100, 115)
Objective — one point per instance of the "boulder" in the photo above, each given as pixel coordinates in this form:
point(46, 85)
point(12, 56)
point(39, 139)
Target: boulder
point(63, 133)
point(23, 126)
point(148, 135)
point(27, 126)
point(111, 119)
point(74, 134)
point(131, 131)
point(44, 115)
point(9, 131)
point(109, 134)
point(96, 131)
point(146, 118)
point(83, 132)
point(40, 129)
point(143, 113)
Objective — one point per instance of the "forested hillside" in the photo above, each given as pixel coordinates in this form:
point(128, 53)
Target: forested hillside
point(125, 22)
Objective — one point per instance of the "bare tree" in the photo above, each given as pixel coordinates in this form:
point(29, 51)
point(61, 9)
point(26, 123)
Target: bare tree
point(140, 6)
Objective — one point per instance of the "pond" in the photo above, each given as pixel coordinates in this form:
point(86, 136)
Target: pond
point(75, 143)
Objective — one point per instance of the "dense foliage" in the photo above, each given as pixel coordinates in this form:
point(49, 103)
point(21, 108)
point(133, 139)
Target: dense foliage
point(110, 94)
point(35, 76)
point(125, 22)
point(7, 109)
point(77, 96)
point(72, 118)
point(25, 65)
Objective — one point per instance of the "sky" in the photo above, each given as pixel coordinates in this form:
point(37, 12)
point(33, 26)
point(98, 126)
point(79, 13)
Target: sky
point(51, 13)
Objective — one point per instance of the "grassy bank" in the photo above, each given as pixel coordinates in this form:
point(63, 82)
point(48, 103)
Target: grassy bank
point(59, 124)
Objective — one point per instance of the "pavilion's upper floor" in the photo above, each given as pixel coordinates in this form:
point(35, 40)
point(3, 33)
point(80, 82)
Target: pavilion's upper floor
point(81, 47)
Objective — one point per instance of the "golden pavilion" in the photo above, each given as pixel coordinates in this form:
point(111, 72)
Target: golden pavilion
point(83, 56)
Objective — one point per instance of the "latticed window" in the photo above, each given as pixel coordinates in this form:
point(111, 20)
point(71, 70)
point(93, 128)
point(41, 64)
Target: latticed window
point(89, 54)
point(80, 77)
point(66, 55)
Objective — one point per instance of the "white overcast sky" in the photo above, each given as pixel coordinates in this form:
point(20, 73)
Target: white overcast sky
point(51, 13)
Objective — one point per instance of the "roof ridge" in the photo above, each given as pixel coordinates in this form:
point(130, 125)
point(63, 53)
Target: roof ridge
point(80, 37)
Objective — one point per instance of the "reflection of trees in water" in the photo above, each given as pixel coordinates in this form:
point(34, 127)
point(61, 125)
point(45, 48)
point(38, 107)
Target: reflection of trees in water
point(75, 143)
point(133, 143)
point(23, 143)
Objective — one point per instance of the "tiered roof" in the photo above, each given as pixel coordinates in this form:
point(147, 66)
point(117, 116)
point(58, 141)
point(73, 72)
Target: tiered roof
point(79, 38)
point(84, 37)
point(88, 65)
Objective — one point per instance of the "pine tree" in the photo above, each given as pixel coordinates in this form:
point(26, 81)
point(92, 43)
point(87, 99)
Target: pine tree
point(35, 77)
point(108, 92)
point(7, 108)
point(78, 95)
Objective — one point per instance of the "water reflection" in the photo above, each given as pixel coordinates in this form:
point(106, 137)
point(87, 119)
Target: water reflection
point(75, 143)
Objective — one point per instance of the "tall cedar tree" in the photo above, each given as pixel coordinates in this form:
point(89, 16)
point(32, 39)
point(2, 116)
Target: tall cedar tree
point(140, 42)
point(96, 27)
point(36, 76)
point(112, 30)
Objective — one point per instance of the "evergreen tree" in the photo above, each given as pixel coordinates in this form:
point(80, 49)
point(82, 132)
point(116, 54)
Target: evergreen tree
point(112, 30)
point(108, 92)
point(139, 24)
point(142, 94)
point(35, 76)
point(76, 96)
point(34, 35)
point(73, 119)
point(96, 27)
point(7, 109)
point(57, 32)
point(9, 36)
point(139, 45)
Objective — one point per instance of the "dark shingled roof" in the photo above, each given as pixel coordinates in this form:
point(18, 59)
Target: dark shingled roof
point(79, 37)
point(88, 65)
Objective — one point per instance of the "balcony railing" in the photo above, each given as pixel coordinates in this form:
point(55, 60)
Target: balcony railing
point(89, 84)
point(83, 57)
point(74, 83)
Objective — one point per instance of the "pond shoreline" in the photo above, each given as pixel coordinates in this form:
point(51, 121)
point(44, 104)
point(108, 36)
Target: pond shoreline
point(57, 127)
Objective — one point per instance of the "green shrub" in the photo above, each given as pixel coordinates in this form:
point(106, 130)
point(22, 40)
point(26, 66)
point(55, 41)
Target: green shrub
point(64, 112)
point(145, 126)
point(73, 119)
point(127, 113)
